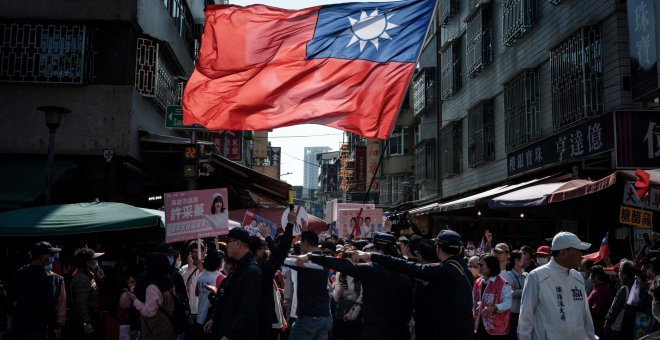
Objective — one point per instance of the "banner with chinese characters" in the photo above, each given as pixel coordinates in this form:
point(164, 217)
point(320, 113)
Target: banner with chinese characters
point(370, 221)
point(234, 151)
point(196, 214)
point(651, 201)
point(331, 172)
point(360, 175)
point(642, 45)
point(637, 139)
point(373, 155)
point(587, 139)
point(636, 217)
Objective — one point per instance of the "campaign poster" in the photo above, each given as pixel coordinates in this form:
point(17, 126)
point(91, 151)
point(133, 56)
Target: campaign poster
point(196, 214)
point(252, 222)
point(301, 217)
point(370, 222)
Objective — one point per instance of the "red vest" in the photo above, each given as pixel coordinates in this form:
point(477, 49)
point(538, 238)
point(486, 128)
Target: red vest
point(498, 323)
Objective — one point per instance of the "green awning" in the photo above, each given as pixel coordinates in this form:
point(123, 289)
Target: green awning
point(22, 181)
point(70, 219)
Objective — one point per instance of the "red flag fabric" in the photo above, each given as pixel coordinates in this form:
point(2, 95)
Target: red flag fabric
point(642, 183)
point(345, 66)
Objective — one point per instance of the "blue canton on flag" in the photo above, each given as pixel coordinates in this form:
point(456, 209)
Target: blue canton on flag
point(373, 31)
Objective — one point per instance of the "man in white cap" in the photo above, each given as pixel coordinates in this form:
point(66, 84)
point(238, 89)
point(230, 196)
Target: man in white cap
point(554, 302)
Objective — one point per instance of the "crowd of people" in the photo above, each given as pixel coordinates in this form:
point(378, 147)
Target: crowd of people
point(386, 287)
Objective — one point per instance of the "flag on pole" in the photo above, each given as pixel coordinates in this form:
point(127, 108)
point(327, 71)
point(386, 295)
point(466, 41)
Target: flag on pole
point(603, 252)
point(345, 66)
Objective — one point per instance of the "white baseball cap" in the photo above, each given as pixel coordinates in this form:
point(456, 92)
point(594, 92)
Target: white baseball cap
point(564, 240)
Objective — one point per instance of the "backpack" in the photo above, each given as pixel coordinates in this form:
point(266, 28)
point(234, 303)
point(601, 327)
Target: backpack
point(180, 318)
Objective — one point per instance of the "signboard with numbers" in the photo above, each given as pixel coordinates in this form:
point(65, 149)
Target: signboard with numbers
point(195, 214)
point(587, 139)
point(636, 217)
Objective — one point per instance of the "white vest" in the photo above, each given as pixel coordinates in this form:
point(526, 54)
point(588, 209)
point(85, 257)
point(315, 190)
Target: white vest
point(558, 307)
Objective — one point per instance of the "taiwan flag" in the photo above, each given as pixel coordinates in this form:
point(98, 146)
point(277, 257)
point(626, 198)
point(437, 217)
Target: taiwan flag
point(345, 66)
point(602, 252)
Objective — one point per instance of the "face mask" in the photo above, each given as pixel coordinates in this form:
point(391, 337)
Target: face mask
point(541, 261)
point(469, 252)
point(170, 259)
point(48, 267)
point(95, 266)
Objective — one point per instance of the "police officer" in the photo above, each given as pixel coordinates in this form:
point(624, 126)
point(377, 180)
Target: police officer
point(452, 297)
point(387, 295)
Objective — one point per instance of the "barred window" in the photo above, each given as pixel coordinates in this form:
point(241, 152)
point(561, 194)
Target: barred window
point(397, 189)
point(576, 67)
point(481, 137)
point(448, 8)
point(519, 17)
point(423, 90)
point(479, 41)
point(44, 52)
point(452, 146)
point(385, 195)
point(424, 160)
point(522, 106)
point(450, 75)
point(154, 76)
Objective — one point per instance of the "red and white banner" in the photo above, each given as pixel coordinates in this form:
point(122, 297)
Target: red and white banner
point(196, 214)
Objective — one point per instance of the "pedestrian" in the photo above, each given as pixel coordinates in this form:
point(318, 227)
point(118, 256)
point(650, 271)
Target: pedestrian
point(600, 298)
point(174, 259)
point(491, 301)
point(32, 303)
point(543, 255)
point(502, 251)
point(516, 278)
point(614, 317)
point(387, 299)
point(554, 301)
point(85, 295)
point(236, 305)
point(270, 258)
point(528, 263)
point(190, 272)
point(206, 286)
point(313, 300)
point(452, 299)
point(585, 270)
point(423, 290)
point(59, 296)
point(157, 308)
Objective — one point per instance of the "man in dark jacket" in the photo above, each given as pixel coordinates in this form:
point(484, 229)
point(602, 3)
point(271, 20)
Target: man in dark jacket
point(235, 311)
point(31, 302)
point(269, 266)
point(452, 297)
point(387, 299)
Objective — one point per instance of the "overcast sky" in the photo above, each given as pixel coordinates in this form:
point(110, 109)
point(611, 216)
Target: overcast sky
point(293, 147)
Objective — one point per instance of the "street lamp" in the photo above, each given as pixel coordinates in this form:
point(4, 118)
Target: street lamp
point(53, 119)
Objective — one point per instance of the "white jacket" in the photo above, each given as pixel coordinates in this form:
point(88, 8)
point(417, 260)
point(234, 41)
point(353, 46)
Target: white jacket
point(554, 305)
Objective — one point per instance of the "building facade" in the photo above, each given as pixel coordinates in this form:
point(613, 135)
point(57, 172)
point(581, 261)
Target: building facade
point(311, 169)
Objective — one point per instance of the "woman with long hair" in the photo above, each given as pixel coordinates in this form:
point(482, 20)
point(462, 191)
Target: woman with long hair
point(218, 217)
point(491, 301)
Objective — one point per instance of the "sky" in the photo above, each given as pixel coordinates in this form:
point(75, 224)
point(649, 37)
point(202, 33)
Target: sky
point(313, 135)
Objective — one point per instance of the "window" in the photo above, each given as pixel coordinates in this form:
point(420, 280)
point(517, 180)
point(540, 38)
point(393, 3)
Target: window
point(424, 160)
point(479, 41)
point(522, 106)
point(448, 8)
point(481, 139)
point(385, 194)
point(450, 78)
point(576, 67)
point(44, 53)
point(398, 144)
point(423, 89)
point(519, 17)
point(397, 189)
point(452, 146)
point(154, 76)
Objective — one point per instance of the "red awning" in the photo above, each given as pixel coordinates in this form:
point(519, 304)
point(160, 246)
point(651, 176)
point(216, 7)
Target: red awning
point(583, 190)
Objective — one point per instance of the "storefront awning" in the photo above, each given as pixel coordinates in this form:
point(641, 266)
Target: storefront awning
point(469, 201)
point(532, 196)
point(22, 181)
point(583, 190)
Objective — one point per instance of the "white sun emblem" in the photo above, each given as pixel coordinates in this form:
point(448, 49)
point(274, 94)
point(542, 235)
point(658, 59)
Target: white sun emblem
point(370, 28)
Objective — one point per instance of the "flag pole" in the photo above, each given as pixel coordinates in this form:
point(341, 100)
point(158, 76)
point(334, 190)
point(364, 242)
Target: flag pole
point(380, 160)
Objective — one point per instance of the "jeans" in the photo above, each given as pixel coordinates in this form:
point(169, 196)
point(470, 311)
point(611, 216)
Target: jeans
point(311, 328)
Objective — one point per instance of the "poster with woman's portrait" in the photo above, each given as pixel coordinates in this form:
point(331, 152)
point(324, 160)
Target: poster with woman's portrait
point(196, 214)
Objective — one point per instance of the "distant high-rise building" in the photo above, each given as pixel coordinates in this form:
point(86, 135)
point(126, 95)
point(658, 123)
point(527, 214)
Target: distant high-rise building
point(311, 173)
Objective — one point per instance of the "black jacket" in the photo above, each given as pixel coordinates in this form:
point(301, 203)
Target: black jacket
point(452, 295)
point(269, 268)
point(386, 298)
point(236, 307)
point(32, 302)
